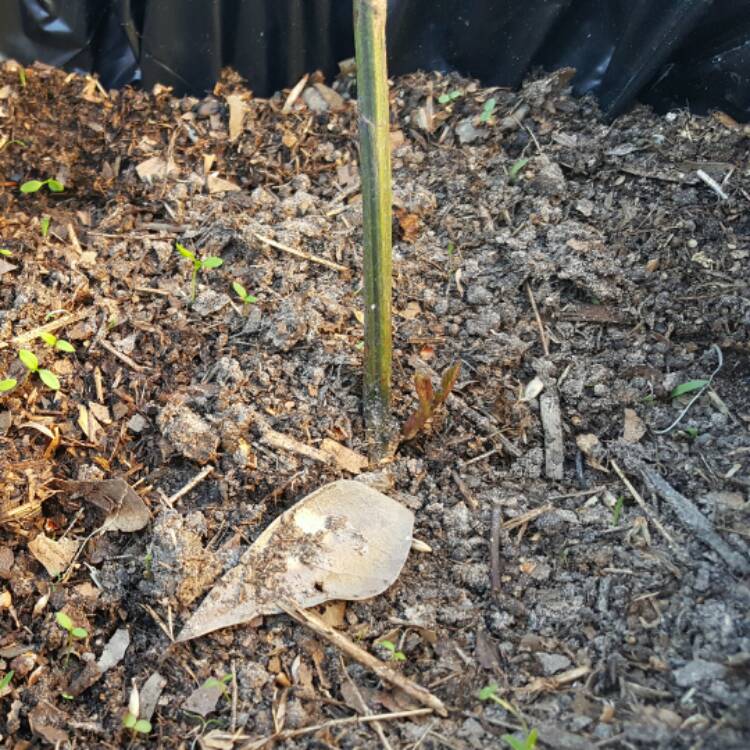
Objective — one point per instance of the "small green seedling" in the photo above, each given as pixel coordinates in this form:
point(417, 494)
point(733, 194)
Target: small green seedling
point(44, 226)
point(7, 384)
point(67, 696)
point(34, 186)
point(199, 264)
point(4, 251)
point(213, 682)
point(515, 169)
point(487, 110)
point(429, 401)
point(74, 633)
point(451, 96)
point(31, 363)
point(130, 720)
point(5, 682)
point(617, 510)
point(490, 693)
point(241, 292)
point(691, 432)
point(451, 249)
point(13, 142)
point(689, 387)
point(60, 344)
point(393, 653)
point(22, 76)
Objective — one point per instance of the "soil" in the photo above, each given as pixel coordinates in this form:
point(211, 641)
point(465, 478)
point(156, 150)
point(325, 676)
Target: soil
point(606, 614)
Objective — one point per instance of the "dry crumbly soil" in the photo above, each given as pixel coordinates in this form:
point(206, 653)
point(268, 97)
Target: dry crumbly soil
point(604, 620)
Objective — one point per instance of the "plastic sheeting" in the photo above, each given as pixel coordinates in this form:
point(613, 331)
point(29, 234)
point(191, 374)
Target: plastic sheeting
point(670, 53)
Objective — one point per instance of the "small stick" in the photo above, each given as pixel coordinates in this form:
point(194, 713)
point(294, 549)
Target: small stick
point(580, 493)
point(711, 182)
point(197, 479)
point(634, 494)
point(474, 460)
point(497, 523)
point(132, 364)
point(382, 670)
point(525, 518)
point(53, 325)
point(301, 254)
point(363, 708)
point(542, 334)
point(464, 490)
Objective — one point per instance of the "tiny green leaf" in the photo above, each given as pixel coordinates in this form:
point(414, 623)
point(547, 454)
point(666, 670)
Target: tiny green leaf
point(29, 360)
point(49, 379)
point(239, 290)
point(617, 510)
point(516, 167)
point(65, 346)
point(64, 621)
point(31, 186)
point(184, 252)
point(79, 633)
point(212, 261)
point(8, 385)
point(142, 726)
point(129, 721)
point(487, 110)
point(689, 387)
point(399, 656)
point(488, 692)
point(49, 338)
point(6, 680)
point(4, 251)
point(67, 696)
point(44, 225)
point(514, 742)
point(387, 645)
point(55, 186)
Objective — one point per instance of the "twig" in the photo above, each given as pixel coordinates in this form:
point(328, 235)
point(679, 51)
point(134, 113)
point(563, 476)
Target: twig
point(301, 254)
point(382, 670)
point(497, 519)
point(363, 708)
point(197, 479)
point(478, 458)
point(542, 334)
point(720, 364)
point(554, 451)
point(580, 493)
point(634, 494)
point(132, 364)
point(464, 490)
point(711, 182)
point(53, 325)
point(527, 517)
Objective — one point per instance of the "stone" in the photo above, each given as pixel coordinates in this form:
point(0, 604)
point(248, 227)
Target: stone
point(466, 132)
point(552, 663)
point(698, 671)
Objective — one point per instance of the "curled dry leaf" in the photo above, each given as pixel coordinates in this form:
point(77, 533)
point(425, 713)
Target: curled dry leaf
point(343, 541)
point(125, 510)
point(54, 555)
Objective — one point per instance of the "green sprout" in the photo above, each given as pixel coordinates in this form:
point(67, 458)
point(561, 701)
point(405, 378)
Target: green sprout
point(487, 110)
point(689, 387)
point(490, 693)
point(213, 682)
point(22, 76)
point(617, 510)
point(4, 251)
point(44, 226)
point(5, 682)
point(451, 96)
point(241, 292)
point(394, 654)
point(136, 725)
point(60, 344)
point(74, 633)
point(13, 142)
point(691, 432)
point(31, 363)
point(34, 186)
point(199, 264)
point(67, 696)
point(516, 168)
point(7, 384)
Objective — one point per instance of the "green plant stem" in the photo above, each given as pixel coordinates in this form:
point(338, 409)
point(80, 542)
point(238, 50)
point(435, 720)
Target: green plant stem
point(375, 170)
point(194, 284)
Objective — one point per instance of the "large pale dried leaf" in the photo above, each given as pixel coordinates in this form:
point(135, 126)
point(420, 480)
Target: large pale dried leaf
point(346, 458)
point(215, 184)
point(53, 554)
point(343, 541)
point(115, 649)
point(155, 168)
point(237, 110)
point(6, 267)
point(124, 508)
point(88, 424)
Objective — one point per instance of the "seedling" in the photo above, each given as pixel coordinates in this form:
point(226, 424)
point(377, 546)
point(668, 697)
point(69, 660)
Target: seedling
point(130, 720)
point(487, 110)
point(199, 264)
point(8, 384)
point(429, 401)
point(451, 96)
point(691, 432)
point(689, 387)
point(617, 510)
point(31, 363)
point(213, 682)
point(44, 226)
point(34, 186)
point(489, 693)
point(22, 76)
point(4, 251)
point(13, 142)
point(393, 653)
point(515, 169)
point(74, 633)
point(5, 682)
point(241, 292)
point(60, 344)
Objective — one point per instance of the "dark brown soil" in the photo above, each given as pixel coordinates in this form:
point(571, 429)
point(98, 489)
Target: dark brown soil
point(606, 621)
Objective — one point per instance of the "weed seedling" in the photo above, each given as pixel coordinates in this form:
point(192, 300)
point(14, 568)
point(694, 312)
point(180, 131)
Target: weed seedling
point(241, 292)
point(515, 169)
point(393, 653)
point(489, 693)
point(429, 401)
point(451, 96)
point(44, 226)
point(130, 720)
point(4, 251)
point(199, 264)
point(617, 510)
point(31, 363)
point(689, 387)
point(22, 76)
point(74, 633)
point(7, 384)
point(60, 344)
point(5, 682)
point(221, 685)
point(34, 186)
point(487, 110)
